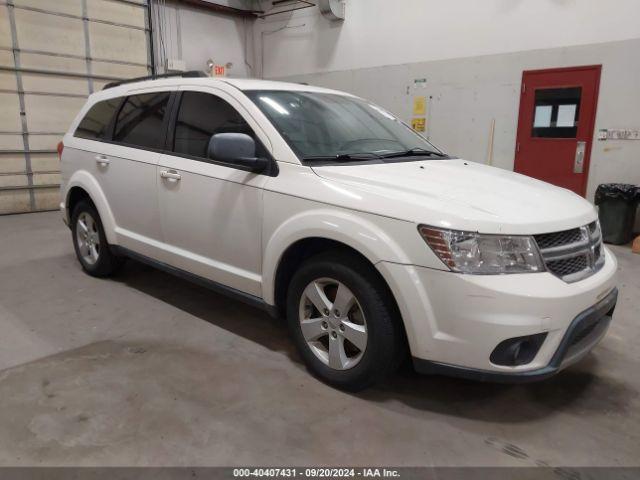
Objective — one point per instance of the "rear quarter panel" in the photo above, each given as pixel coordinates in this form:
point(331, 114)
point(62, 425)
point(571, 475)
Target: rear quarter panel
point(76, 171)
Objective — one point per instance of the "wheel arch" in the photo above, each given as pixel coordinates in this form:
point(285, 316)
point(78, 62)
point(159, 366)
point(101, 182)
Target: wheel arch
point(74, 196)
point(324, 228)
point(295, 255)
point(83, 186)
point(313, 231)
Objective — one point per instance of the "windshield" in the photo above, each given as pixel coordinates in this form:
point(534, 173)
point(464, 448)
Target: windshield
point(324, 126)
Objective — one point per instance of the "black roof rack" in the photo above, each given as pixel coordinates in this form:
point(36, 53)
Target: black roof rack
point(190, 74)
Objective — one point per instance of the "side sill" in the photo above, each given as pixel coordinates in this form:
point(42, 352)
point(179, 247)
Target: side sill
point(230, 292)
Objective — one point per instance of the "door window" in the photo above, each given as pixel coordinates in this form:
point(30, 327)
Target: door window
point(202, 115)
point(139, 121)
point(95, 124)
point(556, 112)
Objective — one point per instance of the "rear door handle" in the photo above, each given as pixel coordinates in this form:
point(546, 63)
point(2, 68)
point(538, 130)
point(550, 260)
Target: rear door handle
point(102, 160)
point(170, 174)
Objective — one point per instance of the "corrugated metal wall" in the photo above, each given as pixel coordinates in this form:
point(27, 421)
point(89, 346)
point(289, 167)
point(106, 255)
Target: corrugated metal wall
point(52, 55)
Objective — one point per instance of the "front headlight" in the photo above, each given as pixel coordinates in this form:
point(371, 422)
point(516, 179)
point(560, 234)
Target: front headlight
point(469, 252)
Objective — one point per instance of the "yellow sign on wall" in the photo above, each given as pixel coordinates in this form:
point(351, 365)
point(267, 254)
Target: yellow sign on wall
point(419, 105)
point(418, 124)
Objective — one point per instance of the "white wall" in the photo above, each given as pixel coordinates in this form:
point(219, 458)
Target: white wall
point(392, 32)
point(196, 35)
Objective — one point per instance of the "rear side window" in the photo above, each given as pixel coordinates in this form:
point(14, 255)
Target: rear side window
point(202, 115)
point(95, 124)
point(139, 121)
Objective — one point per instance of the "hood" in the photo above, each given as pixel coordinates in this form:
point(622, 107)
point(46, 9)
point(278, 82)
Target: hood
point(462, 195)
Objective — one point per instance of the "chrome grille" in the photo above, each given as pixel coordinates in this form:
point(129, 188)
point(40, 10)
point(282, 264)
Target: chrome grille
point(574, 254)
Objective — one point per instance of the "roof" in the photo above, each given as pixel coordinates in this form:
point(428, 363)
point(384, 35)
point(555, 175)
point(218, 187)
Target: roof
point(239, 83)
point(257, 84)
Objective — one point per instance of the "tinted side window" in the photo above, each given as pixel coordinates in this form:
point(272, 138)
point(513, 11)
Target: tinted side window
point(95, 123)
point(139, 121)
point(202, 115)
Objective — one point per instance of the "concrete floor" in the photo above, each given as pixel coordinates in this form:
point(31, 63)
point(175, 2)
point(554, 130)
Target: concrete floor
point(146, 369)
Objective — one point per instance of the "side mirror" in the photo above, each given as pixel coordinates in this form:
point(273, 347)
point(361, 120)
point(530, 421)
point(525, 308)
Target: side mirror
point(236, 148)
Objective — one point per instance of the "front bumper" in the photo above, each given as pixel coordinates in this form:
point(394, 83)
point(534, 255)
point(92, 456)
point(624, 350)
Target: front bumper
point(458, 320)
point(584, 333)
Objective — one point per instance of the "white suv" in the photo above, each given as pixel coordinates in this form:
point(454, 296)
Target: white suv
point(324, 208)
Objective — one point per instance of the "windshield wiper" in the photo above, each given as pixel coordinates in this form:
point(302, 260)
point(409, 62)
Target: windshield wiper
point(343, 157)
point(414, 152)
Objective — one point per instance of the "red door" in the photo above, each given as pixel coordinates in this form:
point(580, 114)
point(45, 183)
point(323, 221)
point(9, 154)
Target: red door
point(555, 125)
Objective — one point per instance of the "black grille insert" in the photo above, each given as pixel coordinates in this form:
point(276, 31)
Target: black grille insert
point(567, 266)
point(557, 239)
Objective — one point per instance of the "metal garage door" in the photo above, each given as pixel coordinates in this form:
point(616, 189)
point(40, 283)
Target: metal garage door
point(52, 55)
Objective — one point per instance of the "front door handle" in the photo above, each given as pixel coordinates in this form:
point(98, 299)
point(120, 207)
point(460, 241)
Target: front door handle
point(102, 160)
point(578, 163)
point(171, 175)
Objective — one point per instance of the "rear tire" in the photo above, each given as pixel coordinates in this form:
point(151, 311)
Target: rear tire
point(90, 242)
point(350, 349)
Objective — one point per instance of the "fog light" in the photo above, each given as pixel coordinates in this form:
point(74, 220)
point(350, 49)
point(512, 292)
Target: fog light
point(518, 350)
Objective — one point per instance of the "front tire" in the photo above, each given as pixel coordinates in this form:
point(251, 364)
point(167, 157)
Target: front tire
point(344, 321)
point(90, 242)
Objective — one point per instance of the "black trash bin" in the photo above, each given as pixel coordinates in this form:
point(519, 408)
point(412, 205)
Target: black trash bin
point(617, 204)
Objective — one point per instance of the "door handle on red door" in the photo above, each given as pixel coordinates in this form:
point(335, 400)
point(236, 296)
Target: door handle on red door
point(102, 160)
point(578, 163)
point(170, 174)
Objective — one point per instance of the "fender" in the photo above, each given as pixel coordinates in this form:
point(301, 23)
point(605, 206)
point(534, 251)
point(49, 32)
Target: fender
point(359, 232)
point(86, 181)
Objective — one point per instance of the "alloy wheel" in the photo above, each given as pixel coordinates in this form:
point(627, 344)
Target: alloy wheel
point(333, 323)
point(88, 238)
